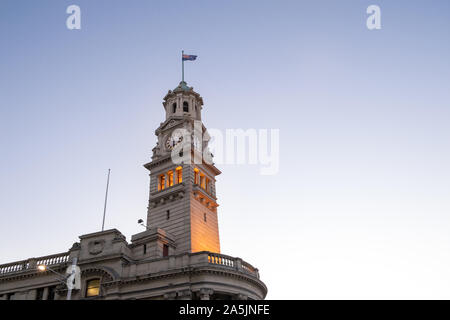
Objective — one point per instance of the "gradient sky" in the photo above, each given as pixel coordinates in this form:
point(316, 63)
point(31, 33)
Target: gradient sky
point(360, 207)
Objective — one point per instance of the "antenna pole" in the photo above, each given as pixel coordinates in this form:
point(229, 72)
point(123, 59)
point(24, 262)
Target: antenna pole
point(106, 200)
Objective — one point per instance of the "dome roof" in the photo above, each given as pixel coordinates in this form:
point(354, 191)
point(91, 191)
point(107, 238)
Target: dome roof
point(182, 87)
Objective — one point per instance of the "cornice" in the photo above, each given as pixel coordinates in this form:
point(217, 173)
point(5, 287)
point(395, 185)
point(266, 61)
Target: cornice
point(31, 273)
point(194, 270)
point(157, 162)
point(204, 198)
point(168, 195)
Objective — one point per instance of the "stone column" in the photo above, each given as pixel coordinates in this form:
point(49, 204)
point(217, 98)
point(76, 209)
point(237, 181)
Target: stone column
point(241, 296)
point(175, 176)
point(45, 295)
point(184, 295)
point(167, 184)
point(238, 262)
point(170, 296)
point(205, 294)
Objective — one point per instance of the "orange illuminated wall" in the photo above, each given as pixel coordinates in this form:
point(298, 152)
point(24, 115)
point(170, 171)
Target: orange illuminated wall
point(204, 228)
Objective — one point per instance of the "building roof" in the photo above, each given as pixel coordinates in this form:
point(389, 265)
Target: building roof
point(183, 88)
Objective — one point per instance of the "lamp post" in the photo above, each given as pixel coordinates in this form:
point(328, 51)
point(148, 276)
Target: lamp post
point(141, 222)
point(67, 280)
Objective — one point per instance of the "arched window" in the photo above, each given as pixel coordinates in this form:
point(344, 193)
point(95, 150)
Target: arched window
point(170, 178)
point(202, 181)
point(179, 171)
point(196, 175)
point(174, 108)
point(93, 287)
point(161, 182)
point(185, 107)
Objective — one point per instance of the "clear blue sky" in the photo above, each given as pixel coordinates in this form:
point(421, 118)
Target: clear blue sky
point(361, 205)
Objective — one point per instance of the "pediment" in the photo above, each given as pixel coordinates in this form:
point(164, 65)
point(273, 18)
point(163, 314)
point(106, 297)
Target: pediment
point(168, 124)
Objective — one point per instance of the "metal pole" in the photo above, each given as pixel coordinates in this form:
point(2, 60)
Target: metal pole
point(182, 65)
point(71, 277)
point(106, 200)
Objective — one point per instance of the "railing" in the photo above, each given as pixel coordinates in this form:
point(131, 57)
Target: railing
point(32, 263)
point(221, 259)
point(63, 258)
point(14, 267)
point(248, 267)
point(53, 259)
point(233, 263)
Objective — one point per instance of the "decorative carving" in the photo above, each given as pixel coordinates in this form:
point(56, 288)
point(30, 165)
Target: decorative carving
point(184, 294)
point(105, 275)
point(96, 246)
point(205, 294)
point(76, 246)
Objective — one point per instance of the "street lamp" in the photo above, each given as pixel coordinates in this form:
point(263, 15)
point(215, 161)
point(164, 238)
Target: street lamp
point(67, 280)
point(43, 268)
point(141, 222)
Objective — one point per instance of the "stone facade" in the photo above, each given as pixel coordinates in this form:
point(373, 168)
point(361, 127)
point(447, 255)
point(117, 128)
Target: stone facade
point(176, 257)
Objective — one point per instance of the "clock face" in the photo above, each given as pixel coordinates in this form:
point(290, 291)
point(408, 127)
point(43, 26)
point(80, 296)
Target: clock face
point(174, 140)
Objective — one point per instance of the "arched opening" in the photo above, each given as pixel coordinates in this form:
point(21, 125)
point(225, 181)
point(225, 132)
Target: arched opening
point(174, 108)
point(185, 107)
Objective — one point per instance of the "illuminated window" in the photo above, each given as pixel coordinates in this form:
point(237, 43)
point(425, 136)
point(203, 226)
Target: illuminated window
point(179, 174)
point(174, 108)
point(207, 184)
point(170, 178)
point(196, 174)
point(93, 288)
point(161, 182)
point(185, 106)
point(202, 181)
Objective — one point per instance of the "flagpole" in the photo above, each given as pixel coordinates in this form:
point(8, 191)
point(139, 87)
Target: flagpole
point(182, 66)
point(106, 200)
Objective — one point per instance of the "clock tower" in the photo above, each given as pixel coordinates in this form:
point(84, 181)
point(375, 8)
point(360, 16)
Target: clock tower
point(182, 200)
point(177, 257)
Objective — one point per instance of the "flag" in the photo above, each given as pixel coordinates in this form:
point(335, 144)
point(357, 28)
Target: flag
point(188, 57)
